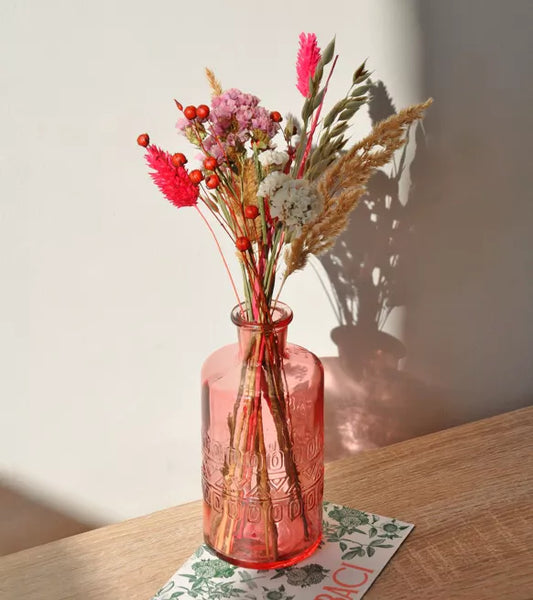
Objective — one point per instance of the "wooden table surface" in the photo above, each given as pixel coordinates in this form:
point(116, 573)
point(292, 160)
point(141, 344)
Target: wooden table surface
point(468, 490)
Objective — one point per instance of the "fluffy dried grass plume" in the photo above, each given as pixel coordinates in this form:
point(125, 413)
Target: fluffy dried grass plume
point(214, 83)
point(249, 196)
point(245, 193)
point(344, 182)
point(249, 183)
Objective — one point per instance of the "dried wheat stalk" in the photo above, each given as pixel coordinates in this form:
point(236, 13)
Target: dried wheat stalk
point(216, 88)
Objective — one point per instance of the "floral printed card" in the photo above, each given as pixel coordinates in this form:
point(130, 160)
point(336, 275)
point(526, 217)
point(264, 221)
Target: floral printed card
point(356, 547)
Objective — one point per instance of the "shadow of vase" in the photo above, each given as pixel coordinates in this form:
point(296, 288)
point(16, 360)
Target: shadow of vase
point(370, 402)
point(363, 349)
point(354, 389)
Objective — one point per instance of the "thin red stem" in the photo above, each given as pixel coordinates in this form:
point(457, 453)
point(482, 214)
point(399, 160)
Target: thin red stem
point(221, 221)
point(221, 254)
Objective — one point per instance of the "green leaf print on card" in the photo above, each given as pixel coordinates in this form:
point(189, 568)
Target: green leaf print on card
point(356, 538)
point(342, 521)
point(303, 576)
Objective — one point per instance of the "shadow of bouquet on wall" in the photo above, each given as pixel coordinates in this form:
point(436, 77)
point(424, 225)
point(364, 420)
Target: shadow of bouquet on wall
point(370, 402)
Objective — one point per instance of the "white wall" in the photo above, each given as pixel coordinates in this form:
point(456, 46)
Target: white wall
point(111, 299)
point(469, 324)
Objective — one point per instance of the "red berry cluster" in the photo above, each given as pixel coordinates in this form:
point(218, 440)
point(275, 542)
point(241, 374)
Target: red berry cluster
point(243, 243)
point(195, 112)
point(212, 180)
point(210, 164)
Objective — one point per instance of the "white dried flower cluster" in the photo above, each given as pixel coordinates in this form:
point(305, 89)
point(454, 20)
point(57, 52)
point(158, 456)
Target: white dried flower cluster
point(272, 182)
point(273, 157)
point(294, 202)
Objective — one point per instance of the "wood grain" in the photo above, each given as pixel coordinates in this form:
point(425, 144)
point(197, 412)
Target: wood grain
point(467, 489)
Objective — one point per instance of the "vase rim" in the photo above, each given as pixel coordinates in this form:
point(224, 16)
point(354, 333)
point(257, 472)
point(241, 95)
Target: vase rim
point(281, 317)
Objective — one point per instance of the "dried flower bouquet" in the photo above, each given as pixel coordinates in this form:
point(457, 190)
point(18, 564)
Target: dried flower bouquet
point(281, 189)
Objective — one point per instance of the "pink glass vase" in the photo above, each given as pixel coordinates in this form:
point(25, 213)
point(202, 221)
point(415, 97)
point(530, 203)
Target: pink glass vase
point(263, 446)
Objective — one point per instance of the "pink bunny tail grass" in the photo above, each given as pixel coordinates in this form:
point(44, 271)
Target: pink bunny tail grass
point(306, 62)
point(173, 181)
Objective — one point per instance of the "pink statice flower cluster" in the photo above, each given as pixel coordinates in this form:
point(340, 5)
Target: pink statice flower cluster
point(237, 118)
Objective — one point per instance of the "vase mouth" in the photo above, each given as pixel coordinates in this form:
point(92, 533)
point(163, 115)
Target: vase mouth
point(280, 314)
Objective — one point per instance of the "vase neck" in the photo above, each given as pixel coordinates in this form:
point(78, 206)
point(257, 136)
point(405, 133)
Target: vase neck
point(274, 328)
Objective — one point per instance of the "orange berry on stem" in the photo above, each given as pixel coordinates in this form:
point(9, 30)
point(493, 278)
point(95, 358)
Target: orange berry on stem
point(196, 176)
point(251, 211)
point(179, 105)
point(202, 112)
point(143, 140)
point(212, 182)
point(242, 243)
point(178, 159)
point(276, 116)
point(190, 112)
point(210, 163)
